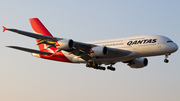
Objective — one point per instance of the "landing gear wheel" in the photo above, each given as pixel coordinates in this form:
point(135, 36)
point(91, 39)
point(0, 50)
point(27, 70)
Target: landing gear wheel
point(102, 68)
point(111, 68)
point(166, 60)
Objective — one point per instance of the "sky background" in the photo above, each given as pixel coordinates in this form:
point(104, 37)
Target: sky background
point(27, 78)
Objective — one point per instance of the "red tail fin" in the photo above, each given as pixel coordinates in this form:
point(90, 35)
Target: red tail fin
point(39, 28)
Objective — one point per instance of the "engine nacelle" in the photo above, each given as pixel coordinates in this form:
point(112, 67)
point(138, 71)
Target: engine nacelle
point(65, 44)
point(99, 51)
point(138, 63)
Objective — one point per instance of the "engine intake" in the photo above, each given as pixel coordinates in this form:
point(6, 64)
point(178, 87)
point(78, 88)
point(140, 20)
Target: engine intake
point(138, 63)
point(99, 51)
point(65, 44)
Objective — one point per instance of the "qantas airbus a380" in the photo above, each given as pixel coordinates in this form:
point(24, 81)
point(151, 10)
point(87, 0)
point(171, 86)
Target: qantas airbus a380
point(130, 50)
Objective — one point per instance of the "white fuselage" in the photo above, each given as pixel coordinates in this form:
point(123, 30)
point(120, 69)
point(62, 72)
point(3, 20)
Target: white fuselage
point(131, 50)
point(141, 46)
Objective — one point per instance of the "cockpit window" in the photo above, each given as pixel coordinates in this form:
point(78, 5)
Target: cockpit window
point(169, 41)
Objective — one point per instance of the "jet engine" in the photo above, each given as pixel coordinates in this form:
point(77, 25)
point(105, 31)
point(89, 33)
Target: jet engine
point(99, 51)
point(138, 63)
point(65, 44)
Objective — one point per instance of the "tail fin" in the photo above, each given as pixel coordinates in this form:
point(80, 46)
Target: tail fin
point(39, 28)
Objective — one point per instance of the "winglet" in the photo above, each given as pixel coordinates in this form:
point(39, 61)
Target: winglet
point(4, 28)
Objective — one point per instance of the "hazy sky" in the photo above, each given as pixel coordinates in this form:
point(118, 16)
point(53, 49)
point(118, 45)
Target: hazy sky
point(27, 78)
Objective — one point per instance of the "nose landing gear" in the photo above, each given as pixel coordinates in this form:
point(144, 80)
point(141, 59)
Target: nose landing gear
point(166, 60)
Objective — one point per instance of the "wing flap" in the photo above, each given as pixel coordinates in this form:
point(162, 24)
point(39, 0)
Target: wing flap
point(29, 50)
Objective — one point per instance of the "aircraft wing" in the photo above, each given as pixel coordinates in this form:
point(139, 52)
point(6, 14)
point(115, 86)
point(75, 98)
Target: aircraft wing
point(80, 49)
point(29, 50)
point(33, 35)
point(47, 38)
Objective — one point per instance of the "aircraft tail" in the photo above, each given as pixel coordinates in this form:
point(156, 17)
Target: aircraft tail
point(39, 28)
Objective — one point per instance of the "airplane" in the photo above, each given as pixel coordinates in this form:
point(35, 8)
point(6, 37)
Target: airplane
point(130, 50)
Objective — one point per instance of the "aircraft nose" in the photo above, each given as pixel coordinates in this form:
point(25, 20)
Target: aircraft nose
point(175, 47)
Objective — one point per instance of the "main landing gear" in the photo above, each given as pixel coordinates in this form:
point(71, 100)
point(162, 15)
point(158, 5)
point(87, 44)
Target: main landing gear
point(111, 68)
point(98, 67)
point(166, 60)
point(95, 66)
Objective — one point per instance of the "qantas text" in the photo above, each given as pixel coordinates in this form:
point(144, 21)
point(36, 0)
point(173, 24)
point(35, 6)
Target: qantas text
point(142, 41)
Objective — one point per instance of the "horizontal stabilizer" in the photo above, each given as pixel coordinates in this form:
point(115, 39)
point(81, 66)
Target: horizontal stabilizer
point(29, 50)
